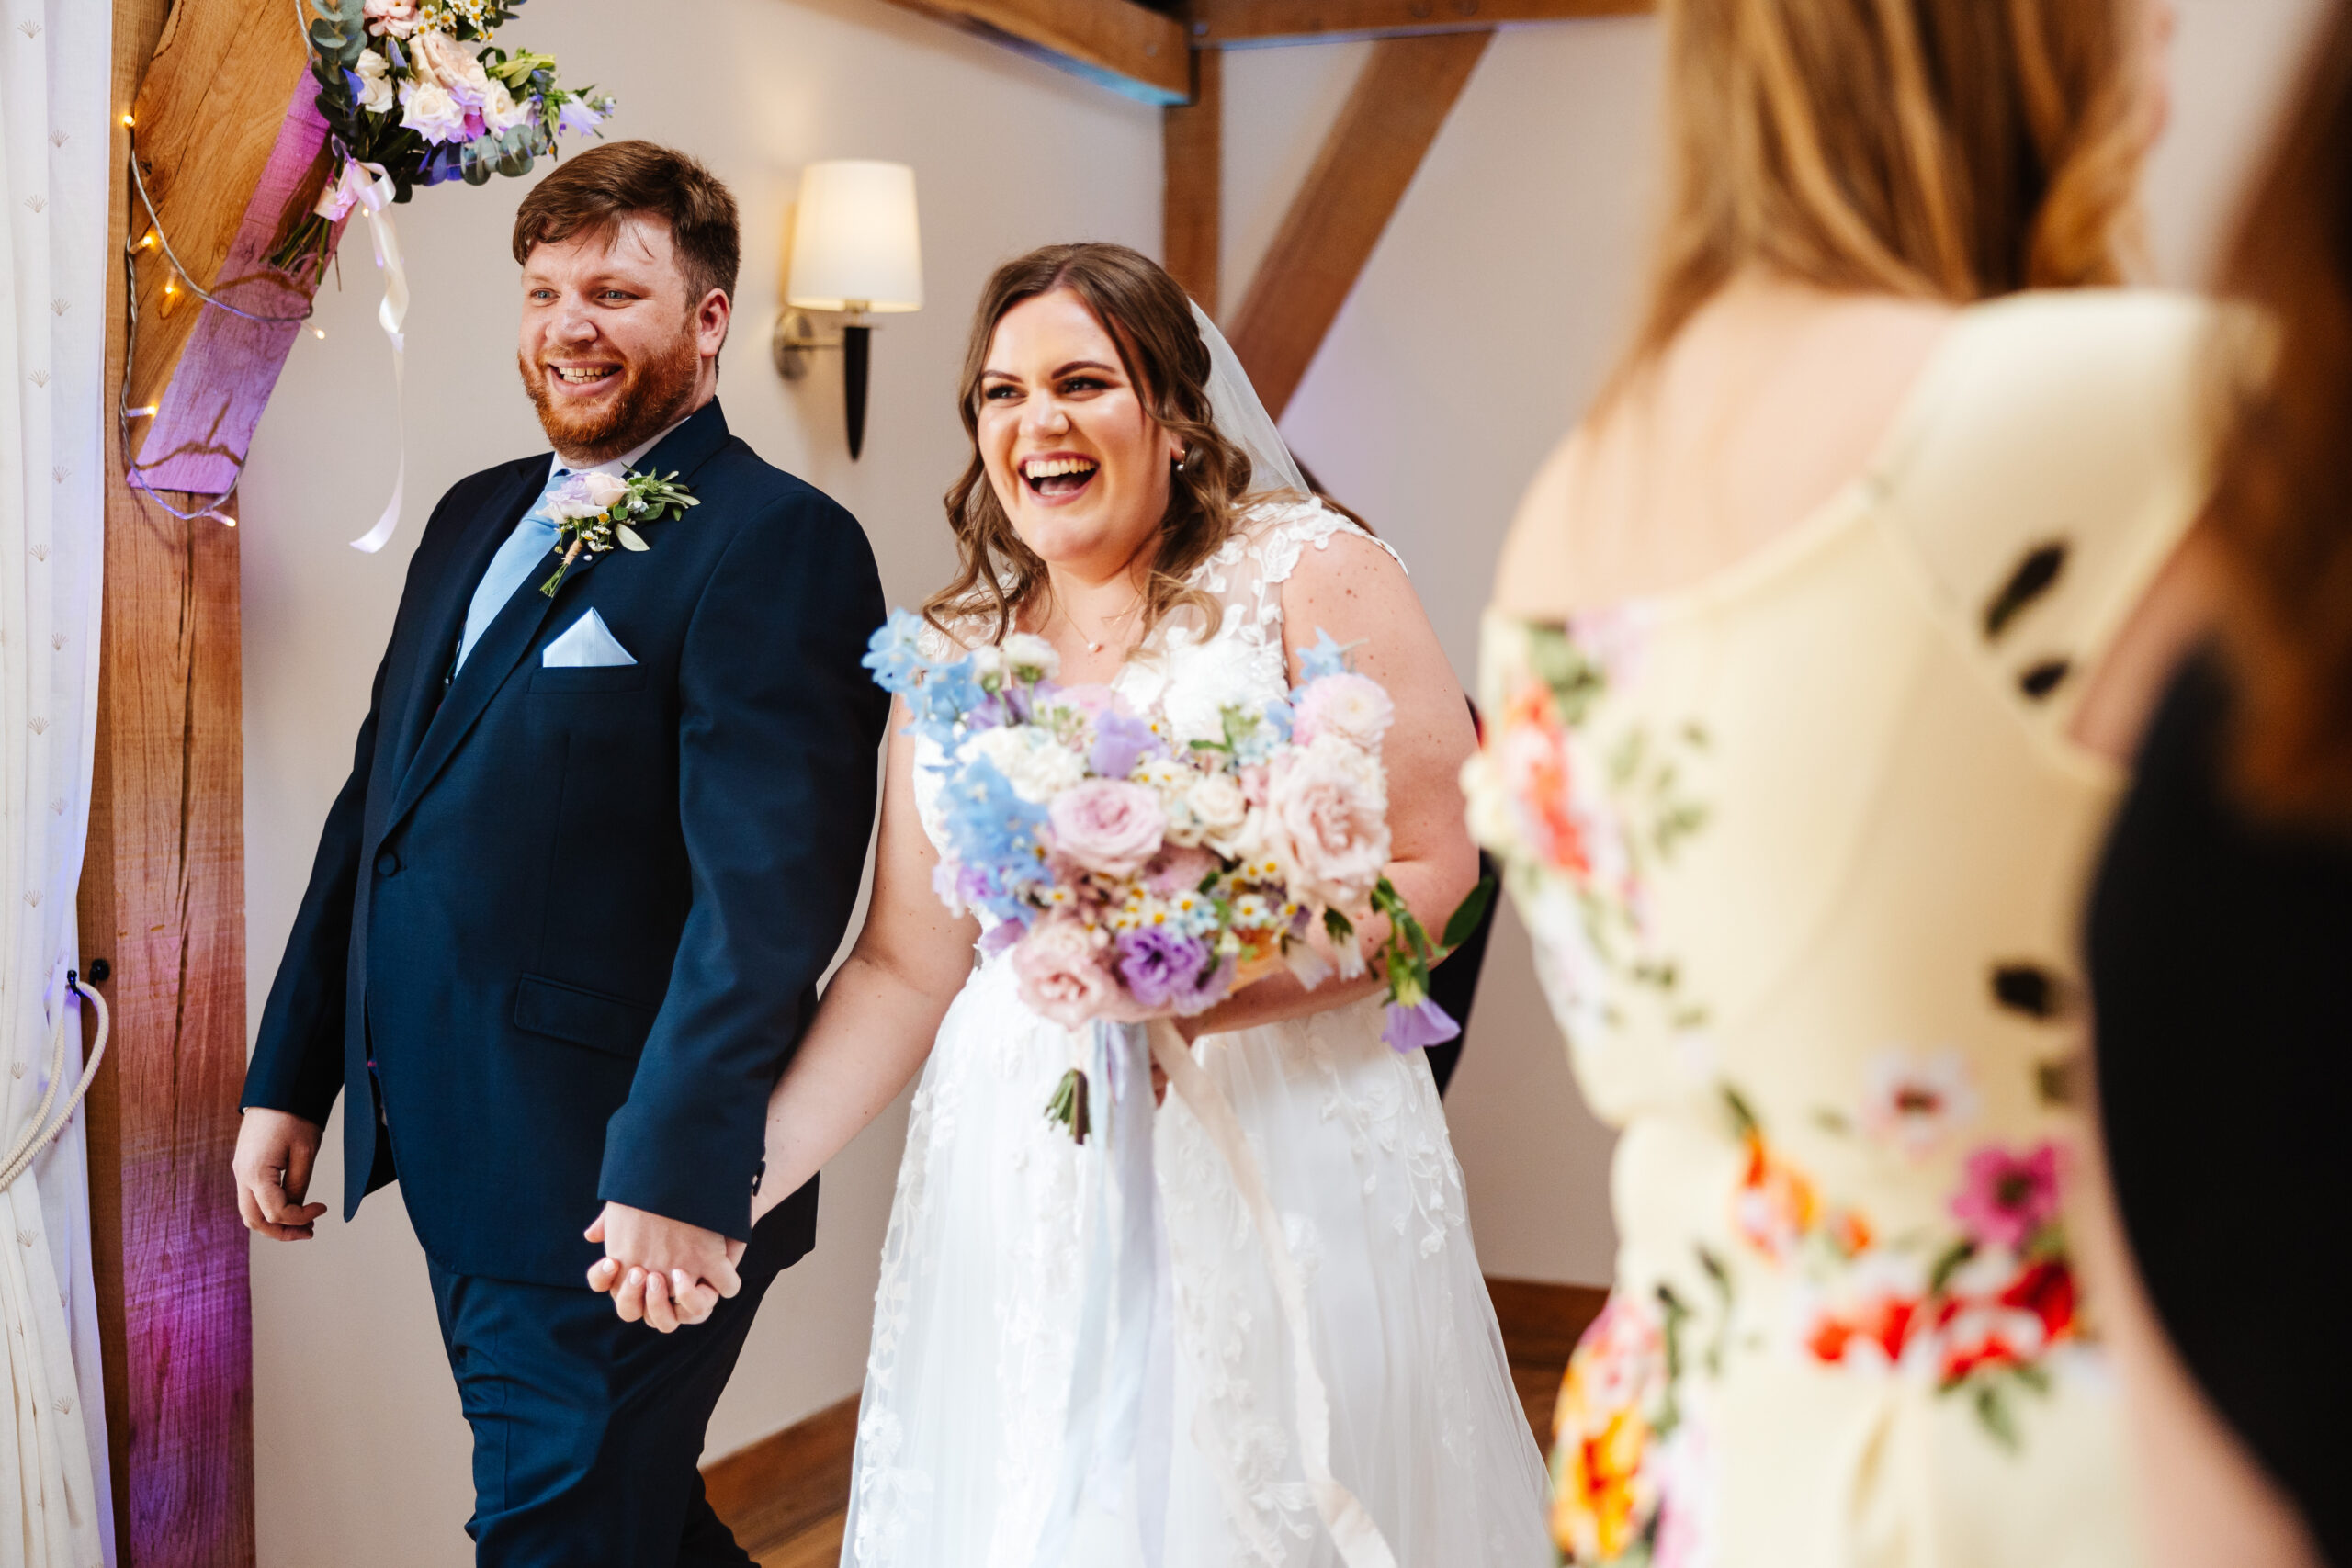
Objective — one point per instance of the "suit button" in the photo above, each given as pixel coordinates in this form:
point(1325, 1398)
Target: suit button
point(388, 864)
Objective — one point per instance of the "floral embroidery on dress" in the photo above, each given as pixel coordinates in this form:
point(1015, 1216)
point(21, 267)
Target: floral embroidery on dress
point(1976, 1309)
point(1587, 817)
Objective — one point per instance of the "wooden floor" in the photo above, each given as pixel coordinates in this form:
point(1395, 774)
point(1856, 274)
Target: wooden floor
point(785, 1498)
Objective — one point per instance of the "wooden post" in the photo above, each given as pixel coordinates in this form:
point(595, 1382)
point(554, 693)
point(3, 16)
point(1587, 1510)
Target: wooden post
point(1192, 208)
point(163, 901)
point(1393, 114)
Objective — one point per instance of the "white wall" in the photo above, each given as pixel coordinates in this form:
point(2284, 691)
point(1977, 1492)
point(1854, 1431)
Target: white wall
point(1485, 318)
point(363, 1456)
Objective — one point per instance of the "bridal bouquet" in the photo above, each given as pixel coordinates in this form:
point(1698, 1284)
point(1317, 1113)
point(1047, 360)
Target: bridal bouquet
point(412, 98)
point(1134, 875)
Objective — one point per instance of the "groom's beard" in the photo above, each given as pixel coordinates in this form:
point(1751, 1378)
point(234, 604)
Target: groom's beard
point(653, 395)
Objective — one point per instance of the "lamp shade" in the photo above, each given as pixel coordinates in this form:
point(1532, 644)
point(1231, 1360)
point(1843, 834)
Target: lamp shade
point(855, 242)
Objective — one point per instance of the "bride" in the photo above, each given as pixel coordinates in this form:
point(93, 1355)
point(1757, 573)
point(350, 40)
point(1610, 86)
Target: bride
point(1129, 502)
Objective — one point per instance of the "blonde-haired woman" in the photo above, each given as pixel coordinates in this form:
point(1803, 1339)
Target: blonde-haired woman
point(1812, 651)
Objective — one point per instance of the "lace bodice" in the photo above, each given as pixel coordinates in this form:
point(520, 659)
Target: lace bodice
point(1190, 676)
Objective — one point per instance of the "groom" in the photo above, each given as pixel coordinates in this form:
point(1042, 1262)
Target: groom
point(568, 912)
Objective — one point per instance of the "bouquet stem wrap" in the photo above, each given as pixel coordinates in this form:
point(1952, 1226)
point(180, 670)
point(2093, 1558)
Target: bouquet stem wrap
point(1107, 1401)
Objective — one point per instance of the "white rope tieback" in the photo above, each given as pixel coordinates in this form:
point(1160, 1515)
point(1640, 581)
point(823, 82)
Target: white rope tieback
point(39, 1129)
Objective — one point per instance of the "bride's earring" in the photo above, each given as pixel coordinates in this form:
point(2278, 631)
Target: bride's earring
point(1195, 460)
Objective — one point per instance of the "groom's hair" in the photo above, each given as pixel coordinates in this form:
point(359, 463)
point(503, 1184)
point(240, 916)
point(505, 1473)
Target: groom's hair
point(593, 191)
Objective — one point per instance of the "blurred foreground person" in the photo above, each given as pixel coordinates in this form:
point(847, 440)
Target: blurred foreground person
point(1812, 655)
point(2222, 933)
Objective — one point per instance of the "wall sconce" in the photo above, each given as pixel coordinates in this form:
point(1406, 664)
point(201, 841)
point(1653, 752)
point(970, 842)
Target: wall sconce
point(854, 249)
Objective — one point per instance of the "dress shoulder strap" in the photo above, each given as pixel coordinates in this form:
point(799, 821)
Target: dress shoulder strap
point(2056, 452)
point(1248, 572)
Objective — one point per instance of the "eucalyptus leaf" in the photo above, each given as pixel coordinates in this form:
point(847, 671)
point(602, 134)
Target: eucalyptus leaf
point(629, 538)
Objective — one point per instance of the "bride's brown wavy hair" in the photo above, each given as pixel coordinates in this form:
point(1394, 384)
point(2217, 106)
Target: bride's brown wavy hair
point(1940, 149)
point(1150, 320)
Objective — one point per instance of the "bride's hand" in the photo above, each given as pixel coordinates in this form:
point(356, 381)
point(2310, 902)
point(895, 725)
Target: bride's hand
point(664, 1301)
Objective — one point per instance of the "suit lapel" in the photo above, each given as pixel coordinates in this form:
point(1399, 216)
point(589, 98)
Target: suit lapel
point(516, 628)
point(445, 612)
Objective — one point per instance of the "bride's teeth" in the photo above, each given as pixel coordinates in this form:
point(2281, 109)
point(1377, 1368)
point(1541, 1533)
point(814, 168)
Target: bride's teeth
point(1057, 467)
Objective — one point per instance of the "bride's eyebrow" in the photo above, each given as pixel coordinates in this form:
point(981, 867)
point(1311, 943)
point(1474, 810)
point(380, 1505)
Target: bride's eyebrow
point(1077, 364)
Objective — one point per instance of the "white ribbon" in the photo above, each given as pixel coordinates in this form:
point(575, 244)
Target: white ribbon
point(1105, 1429)
point(1352, 1530)
point(369, 188)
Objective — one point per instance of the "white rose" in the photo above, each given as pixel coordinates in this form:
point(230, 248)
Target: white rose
point(501, 113)
point(1218, 804)
point(1204, 679)
point(453, 66)
point(1026, 650)
point(429, 110)
point(603, 491)
point(1037, 766)
point(375, 83)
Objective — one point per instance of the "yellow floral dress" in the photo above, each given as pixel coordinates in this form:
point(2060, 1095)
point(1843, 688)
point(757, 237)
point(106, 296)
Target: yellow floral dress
point(1801, 850)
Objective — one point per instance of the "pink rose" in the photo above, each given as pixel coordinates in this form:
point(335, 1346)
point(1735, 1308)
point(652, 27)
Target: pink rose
point(397, 17)
point(1327, 821)
point(1108, 825)
point(1064, 973)
point(1354, 707)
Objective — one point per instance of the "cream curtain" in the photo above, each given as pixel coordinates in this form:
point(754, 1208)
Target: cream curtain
point(56, 83)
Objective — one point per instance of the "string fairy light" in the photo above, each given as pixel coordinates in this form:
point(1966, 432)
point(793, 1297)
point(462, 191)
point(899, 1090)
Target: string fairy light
point(134, 473)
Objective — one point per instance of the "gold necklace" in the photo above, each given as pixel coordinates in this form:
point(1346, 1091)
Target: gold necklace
point(1095, 644)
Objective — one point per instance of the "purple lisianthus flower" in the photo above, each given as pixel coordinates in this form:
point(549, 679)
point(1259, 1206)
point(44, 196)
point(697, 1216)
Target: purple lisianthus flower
point(1121, 740)
point(1422, 1024)
point(1000, 936)
point(1160, 965)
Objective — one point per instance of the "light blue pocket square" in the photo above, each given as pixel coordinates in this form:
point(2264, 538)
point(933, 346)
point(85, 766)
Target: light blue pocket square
point(589, 644)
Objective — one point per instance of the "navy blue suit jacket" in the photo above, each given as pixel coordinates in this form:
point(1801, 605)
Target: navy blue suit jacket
point(577, 916)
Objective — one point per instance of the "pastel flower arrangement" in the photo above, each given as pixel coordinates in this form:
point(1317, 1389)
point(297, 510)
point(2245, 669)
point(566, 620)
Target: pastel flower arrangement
point(1135, 868)
point(411, 99)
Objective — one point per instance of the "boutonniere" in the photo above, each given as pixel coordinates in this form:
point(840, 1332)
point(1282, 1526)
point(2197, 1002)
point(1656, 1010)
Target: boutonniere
point(595, 512)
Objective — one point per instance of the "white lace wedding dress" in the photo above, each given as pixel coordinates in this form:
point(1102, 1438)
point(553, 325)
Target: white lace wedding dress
point(977, 1318)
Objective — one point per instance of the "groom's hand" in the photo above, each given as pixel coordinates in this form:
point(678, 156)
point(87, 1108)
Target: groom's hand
point(665, 1271)
point(274, 1153)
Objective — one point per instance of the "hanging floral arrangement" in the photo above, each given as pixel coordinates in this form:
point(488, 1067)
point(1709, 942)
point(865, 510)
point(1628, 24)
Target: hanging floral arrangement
point(413, 94)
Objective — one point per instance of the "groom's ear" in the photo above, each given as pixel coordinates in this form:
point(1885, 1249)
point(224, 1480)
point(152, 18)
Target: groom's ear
point(713, 317)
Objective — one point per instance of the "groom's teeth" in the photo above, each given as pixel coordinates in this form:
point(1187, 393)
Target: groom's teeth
point(582, 374)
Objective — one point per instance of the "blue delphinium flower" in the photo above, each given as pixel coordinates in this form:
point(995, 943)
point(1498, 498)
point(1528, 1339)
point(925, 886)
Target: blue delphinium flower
point(948, 693)
point(895, 653)
point(991, 830)
point(1325, 658)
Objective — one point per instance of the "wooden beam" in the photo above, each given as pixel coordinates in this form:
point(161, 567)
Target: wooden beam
point(1229, 23)
point(1126, 47)
point(163, 901)
point(1193, 137)
point(1408, 88)
point(228, 143)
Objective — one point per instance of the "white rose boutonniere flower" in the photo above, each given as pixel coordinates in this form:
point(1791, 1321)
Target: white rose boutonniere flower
point(595, 512)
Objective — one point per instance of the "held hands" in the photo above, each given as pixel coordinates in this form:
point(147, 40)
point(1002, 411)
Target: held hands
point(275, 1152)
point(663, 1271)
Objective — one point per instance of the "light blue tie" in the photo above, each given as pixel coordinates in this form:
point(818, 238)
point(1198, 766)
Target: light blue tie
point(531, 542)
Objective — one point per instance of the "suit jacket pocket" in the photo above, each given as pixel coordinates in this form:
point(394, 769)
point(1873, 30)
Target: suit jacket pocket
point(583, 1018)
point(563, 679)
